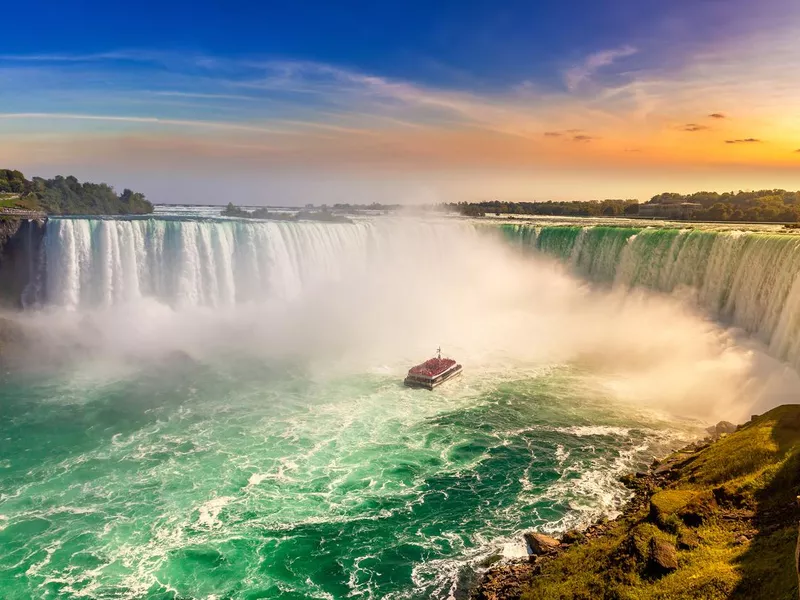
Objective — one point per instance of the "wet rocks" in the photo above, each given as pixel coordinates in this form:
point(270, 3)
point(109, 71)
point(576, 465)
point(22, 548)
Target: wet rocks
point(504, 583)
point(540, 543)
point(666, 468)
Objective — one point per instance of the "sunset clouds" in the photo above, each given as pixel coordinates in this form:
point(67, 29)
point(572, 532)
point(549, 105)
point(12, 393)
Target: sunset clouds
point(629, 109)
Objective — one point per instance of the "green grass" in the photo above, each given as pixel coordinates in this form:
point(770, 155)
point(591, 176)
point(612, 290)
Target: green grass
point(743, 484)
point(669, 502)
point(15, 201)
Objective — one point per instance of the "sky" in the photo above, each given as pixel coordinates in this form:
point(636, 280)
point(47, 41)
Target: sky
point(286, 103)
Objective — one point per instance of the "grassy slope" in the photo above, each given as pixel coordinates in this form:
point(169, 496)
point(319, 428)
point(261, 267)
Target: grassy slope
point(29, 202)
point(731, 509)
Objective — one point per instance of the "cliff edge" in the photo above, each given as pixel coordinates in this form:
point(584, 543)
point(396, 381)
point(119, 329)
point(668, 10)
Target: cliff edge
point(20, 245)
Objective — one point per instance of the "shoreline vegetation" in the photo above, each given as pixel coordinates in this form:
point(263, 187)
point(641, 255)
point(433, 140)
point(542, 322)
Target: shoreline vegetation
point(762, 206)
point(322, 215)
point(65, 196)
point(717, 520)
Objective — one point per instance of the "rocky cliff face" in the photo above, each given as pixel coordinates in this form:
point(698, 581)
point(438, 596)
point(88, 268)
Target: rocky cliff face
point(20, 244)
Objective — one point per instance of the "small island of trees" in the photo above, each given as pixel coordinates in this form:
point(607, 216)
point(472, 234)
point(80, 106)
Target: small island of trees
point(323, 214)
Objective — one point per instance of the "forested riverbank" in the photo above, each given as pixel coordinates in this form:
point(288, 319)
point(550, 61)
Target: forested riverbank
point(67, 196)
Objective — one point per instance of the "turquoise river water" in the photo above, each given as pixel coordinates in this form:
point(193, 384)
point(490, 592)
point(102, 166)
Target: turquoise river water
point(216, 409)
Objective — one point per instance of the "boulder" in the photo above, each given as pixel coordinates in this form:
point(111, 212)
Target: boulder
point(720, 429)
point(687, 539)
point(663, 557)
point(573, 536)
point(699, 510)
point(665, 468)
point(540, 543)
point(669, 502)
point(725, 427)
point(491, 560)
point(691, 507)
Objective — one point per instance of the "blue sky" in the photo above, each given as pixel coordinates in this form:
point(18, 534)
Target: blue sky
point(418, 100)
point(479, 43)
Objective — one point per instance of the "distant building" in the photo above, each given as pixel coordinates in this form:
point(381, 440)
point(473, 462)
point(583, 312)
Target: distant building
point(683, 210)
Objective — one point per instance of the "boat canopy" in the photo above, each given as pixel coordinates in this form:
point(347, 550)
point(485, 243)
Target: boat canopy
point(432, 367)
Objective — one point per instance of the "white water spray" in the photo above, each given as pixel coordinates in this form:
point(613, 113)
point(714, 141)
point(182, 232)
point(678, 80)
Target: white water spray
point(384, 293)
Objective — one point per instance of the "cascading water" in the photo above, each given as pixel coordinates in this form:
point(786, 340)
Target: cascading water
point(217, 409)
point(748, 279)
point(96, 263)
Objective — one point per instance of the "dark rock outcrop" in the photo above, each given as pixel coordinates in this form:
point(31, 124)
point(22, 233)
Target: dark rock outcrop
point(20, 244)
point(687, 539)
point(663, 557)
point(721, 428)
point(504, 582)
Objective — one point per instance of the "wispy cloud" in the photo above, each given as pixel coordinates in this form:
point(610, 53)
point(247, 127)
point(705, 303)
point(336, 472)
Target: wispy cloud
point(331, 114)
point(100, 56)
point(573, 135)
point(578, 75)
point(209, 96)
point(744, 141)
point(243, 127)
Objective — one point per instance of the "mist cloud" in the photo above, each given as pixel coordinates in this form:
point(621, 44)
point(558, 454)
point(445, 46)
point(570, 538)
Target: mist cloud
point(502, 314)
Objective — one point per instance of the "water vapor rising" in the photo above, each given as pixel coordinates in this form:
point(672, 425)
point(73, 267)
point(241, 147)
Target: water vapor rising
point(376, 297)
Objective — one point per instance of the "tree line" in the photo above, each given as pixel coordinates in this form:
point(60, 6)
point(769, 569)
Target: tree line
point(766, 206)
point(587, 208)
point(68, 196)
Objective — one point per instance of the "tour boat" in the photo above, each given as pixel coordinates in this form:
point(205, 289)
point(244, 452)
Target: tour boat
point(433, 372)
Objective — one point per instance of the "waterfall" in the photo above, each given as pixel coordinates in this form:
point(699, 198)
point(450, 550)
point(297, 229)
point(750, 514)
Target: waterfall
point(90, 263)
point(748, 279)
point(101, 262)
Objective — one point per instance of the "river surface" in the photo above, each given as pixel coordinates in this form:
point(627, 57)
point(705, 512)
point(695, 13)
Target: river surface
point(217, 412)
point(200, 481)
